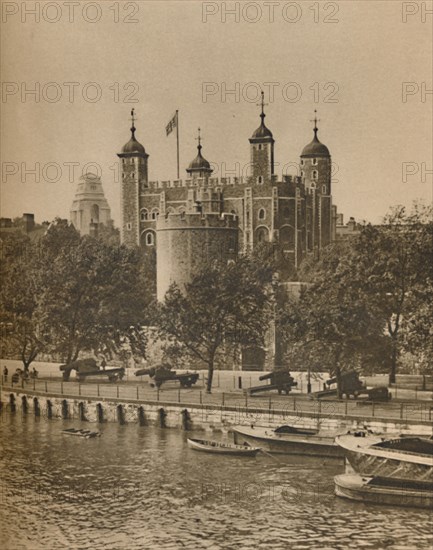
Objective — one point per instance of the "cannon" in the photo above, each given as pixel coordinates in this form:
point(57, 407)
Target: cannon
point(351, 385)
point(280, 380)
point(89, 367)
point(163, 373)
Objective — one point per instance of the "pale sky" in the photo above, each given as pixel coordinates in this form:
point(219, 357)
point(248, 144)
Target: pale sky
point(169, 54)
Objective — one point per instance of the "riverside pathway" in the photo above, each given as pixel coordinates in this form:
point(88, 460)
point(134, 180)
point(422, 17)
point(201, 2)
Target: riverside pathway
point(171, 393)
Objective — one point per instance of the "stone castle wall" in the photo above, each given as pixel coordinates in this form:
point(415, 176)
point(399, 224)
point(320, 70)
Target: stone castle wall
point(186, 242)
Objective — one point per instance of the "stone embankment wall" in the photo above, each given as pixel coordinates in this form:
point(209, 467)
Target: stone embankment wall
point(191, 417)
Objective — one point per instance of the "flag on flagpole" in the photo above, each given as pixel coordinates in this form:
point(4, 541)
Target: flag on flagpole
point(171, 125)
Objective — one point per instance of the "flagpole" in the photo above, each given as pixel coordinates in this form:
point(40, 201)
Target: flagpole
point(177, 139)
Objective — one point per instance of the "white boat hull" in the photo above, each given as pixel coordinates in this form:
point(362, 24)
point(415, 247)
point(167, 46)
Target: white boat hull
point(364, 489)
point(368, 459)
point(309, 445)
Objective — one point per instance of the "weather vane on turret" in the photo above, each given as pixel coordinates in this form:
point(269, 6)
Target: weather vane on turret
point(262, 104)
point(199, 138)
point(132, 121)
point(315, 120)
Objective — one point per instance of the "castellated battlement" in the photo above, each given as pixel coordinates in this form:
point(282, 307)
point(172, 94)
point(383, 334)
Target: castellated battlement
point(196, 221)
point(247, 181)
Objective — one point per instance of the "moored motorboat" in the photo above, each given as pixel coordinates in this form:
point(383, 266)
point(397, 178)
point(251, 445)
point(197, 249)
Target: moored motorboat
point(289, 440)
point(384, 491)
point(401, 458)
point(87, 434)
point(219, 447)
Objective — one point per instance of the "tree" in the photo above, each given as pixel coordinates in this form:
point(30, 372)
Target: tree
point(91, 296)
point(368, 293)
point(22, 333)
point(330, 326)
point(222, 305)
point(393, 264)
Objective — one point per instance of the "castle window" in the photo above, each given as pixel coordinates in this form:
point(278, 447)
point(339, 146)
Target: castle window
point(302, 173)
point(314, 174)
point(324, 189)
point(302, 162)
point(260, 179)
point(262, 214)
point(314, 161)
point(260, 147)
point(150, 239)
point(128, 226)
point(144, 215)
point(154, 214)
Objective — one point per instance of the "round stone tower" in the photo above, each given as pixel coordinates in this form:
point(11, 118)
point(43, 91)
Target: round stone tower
point(188, 241)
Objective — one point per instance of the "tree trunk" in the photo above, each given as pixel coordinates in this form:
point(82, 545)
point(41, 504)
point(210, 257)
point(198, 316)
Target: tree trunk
point(209, 376)
point(393, 370)
point(338, 374)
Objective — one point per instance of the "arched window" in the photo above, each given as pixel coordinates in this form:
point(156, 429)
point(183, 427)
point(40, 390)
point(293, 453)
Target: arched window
point(262, 235)
point(287, 237)
point(302, 162)
point(260, 179)
point(154, 214)
point(262, 214)
point(149, 239)
point(314, 174)
point(314, 161)
point(260, 147)
point(144, 215)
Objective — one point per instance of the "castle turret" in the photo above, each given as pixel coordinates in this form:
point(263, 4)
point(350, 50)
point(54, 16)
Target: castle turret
point(199, 167)
point(316, 164)
point(262, 150)
point(316, 174)
point(134, 178)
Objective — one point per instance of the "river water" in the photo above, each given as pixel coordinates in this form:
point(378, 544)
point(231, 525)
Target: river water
point(143, 488)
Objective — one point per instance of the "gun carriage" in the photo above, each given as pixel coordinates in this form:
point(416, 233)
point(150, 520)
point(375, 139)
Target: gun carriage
point(86, 368)
point(280, 380)
point(162, 373)
point(351, 385)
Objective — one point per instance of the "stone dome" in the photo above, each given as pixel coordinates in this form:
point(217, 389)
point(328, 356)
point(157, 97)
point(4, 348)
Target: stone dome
point(133, 146)
point(315, 148)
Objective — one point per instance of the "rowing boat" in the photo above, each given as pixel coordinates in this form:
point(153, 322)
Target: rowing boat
point(87, 434)
point(219, 447)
